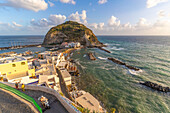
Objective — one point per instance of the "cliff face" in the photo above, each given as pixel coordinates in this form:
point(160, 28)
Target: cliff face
point(71, 32)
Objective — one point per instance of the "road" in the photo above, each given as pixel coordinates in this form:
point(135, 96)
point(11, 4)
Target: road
point(9, 104)
point(56, 106)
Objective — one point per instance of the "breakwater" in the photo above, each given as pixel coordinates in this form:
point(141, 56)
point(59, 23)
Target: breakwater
point(156, 86)
point(122, 63)
point(104, 49)
point(24, 46)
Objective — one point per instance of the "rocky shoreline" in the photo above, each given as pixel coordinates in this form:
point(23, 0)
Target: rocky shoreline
point(156, 86)
point(122, 63)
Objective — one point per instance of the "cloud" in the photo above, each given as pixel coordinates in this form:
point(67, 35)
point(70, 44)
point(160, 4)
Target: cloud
point(57, 19)
point(75, 17)
point(17, 25)
point(161, 13)
point(100, 25)
point(53, 20)
point(113, 21)
point(79, 17)
point(34, 5)
point(41, 23)
point(68, 1)
point(102, 1)
point(93, 25)
point(83, 15)
point(51, 4)
point(96, 26)
point(152, 3)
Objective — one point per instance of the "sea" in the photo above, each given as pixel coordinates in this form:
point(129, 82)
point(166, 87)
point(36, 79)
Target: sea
point(115, 85)
point(9, 41)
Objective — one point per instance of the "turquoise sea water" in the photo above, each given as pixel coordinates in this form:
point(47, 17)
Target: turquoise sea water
point(117, 86)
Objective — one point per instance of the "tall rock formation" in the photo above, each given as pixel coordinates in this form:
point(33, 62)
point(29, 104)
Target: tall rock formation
point(71, 32)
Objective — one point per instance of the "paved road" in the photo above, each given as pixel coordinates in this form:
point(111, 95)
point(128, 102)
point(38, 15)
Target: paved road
point(56, 106)
point(9, 104)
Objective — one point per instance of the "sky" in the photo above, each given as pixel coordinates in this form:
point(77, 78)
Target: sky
point(104, 17)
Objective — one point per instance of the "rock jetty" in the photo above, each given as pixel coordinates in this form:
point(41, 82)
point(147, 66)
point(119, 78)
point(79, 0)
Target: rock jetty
point(122, 63)
point(104, 49)
point(156, 86)
point(24, 46)
point(91, 56)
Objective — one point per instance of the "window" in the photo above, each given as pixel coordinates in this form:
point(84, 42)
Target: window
point(84, 98)
point(13, 65)
point(22, 63)
point(90, 103)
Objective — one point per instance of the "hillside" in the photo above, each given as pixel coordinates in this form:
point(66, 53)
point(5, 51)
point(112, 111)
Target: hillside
point(71, 32)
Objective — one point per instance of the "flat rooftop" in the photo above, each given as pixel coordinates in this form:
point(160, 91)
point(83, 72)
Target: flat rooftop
point(62, 64)
point(11, 59)
point(88, 101)
point(65, 73)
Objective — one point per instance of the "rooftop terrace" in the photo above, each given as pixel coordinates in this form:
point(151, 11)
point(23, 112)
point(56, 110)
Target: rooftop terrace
point(11, 59)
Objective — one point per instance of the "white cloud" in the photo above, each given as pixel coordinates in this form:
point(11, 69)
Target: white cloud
point(113, 21)
point(51, 4)
point(68, 1)
point(101, 25)
point(93, 25)
point(161, 13)
point(83, 15)
point(34, 5)
point(79, 17)
point(75, 17)
point(53, 20)
point(152, 3)
point(17, 25)
point(57, 19)
point(102, 1)
point(142, 22)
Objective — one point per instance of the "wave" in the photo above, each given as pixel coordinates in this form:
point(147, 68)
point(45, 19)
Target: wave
point(133, 72)
point(78, 63)
point(118, 49)
point(102, 58)
point(106, 44)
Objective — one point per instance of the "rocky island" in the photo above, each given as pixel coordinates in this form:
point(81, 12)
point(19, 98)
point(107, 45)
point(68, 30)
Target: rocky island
point(71, 31)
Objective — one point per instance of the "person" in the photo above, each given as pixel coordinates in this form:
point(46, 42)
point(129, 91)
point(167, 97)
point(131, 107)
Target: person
point(23, 87)
point(16, 85)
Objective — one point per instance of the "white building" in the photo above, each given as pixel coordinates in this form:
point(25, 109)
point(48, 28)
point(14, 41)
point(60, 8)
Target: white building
point(66, 76)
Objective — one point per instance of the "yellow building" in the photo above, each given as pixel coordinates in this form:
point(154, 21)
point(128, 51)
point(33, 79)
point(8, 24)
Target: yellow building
point(15, 67)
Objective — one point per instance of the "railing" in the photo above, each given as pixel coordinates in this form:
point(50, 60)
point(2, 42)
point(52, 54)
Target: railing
point(22, 95)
